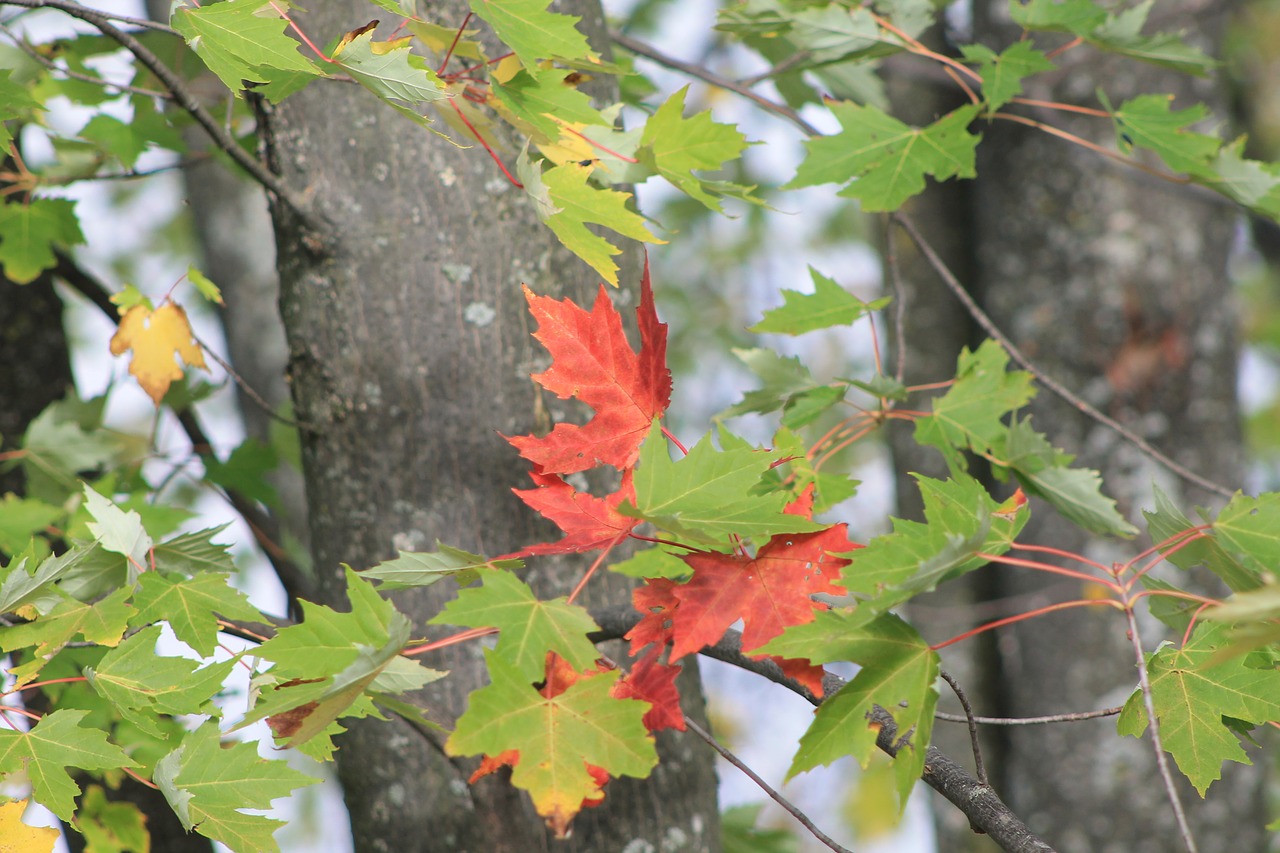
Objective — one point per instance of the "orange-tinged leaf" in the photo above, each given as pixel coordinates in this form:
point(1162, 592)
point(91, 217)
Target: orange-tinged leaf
point(158, 339)
point(594, 362)
point(768, 592)
point(654, 682)
point(657, 601)
point(589, 523)
point(567, 743)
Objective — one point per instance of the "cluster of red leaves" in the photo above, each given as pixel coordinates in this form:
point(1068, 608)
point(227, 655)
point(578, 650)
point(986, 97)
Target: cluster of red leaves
point(770, 591)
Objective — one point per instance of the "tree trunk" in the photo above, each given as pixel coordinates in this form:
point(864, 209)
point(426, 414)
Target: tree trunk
point(410, 351)
point(1115, 283)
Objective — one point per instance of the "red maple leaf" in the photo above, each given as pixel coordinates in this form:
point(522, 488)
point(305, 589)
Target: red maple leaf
point(593, 361)
point(657, 601)
point(655, 683)
point(589, 523)
point(768, 592)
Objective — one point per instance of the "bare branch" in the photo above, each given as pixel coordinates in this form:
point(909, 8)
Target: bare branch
point(958, 290)
point(693, 70)
point(986, 812)
point(979, 768)
point(766, 787)
point(265, 526)
point(181, 95)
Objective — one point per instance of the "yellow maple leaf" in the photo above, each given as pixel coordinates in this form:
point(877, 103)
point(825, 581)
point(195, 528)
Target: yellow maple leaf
point(158, 339)
point(18, 837)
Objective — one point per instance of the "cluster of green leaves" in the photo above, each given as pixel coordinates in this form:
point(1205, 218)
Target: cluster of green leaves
point(95, 572)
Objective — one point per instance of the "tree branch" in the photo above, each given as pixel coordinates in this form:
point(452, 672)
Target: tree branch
point(986, 812)
point(953, 284)
point(182, 96)
point(649, 52)
point(264, 525)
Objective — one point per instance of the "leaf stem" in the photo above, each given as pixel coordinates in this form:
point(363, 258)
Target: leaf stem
point(953, 284)
point(1039, 611)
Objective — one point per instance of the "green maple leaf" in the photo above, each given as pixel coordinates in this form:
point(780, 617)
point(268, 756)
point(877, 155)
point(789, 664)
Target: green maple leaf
point(142, 685)
point(1249, 527)
point(674, 146)
point(331, 659)
point(1121, 33)
point(788, 385)
point(193, 553)
point(528, 627)
point(1167, 520)
point(576, 203)
point(244, 469)
point(20, 519)
point(961, 520)
point(1043, 471)
point(886, 159)
point(241, 40)
point(15, 102)
point(389, 69)
point(1193, 693)
point(423, 569)
point(30, 232)
point(829, 305)
point(1003, 73)
point(124, 142)
point(968, 416)
point(191, 606)
point(897, 673)
point(556, 737)
point(104, 622)
point(55, 743)
point(706, 496)
point(1073, 16)
point(208, 782)
point(533, 33)
point(20, 586)
point(1252, 183)
point(118, 531)
point(545, 102)
point(1147, 122)
point(57, 450)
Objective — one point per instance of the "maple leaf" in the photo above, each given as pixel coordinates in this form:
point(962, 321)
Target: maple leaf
point(155, 337)
point(529, 626)
point(559, 738)
point(19, 836)
point(654, 682)
point(657, 603)
point(593, 361)
point(768, 592)
point(589, 523)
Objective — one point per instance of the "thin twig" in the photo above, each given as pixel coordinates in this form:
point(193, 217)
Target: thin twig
point(181, 95)
point(1029, 721)
point(984, 809)
point(899, 306)
point(766, 787)
point(1153, 725)
point(649, 52)
point(248, 390)
point(785, 65)
point(979, 768)
point(265, 526)
point(26, 47)
point(957, 289)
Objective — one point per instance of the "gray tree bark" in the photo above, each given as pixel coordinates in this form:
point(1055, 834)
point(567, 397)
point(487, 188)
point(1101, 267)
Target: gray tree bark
point(410, 351)
point(1114, 282)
